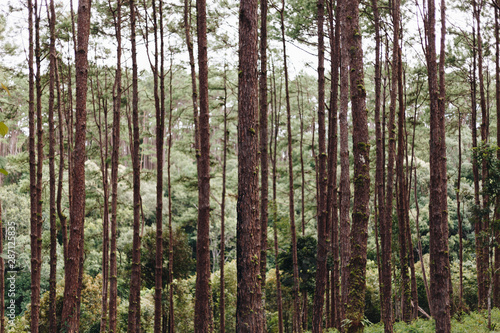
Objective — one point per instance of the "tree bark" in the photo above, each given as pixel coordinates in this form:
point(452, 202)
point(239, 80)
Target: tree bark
point(248, 306)
point(345, 186)
point(322, 249)
point(496, 296)
point(296, 289)
point(134, 311)
point(52, 173)
point(264, 165)
point(438, 211)
point(361, 149)
point(202, 306)
point(117, 92)
point(71, 303)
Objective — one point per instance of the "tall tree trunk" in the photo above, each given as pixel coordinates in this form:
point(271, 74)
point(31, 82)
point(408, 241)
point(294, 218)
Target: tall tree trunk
point(401, 179)
point(345, 186)
point(497, 205)
point(52, 173)
point(202, 306)
point(332, 202)
point(322, 249)
point(248, 306)
point(460, 232)
point(134, 311)
point(71, 303)
point(223, 217)
point(171, 318)
point(296, 289)
point(386, 226)
point(361, 149)
point(264, 165)
point(117, 92)
point(275, 206)
point(438, 209)
point(379, 169)
point(484, 217)
point(160, 132)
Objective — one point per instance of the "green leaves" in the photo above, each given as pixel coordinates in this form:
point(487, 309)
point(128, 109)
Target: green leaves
point(3, 129)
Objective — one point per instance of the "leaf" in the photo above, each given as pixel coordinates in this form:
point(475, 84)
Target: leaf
point(3, 129)
point(4, 171)
point(5, 88)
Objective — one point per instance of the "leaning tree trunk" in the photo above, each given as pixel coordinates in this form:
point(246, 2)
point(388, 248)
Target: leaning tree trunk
point(438, 208)
point(248, 306)
point(71, 303)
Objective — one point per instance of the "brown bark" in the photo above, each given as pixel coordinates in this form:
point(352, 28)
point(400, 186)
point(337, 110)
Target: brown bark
point(202, 307)
point(332, 202)
point(52, 173)
point(194, 95)
point(361, 149)
point(322, 249)
point(404, 249)
point(160, 131)
point(75, 246)
point(171, 318)
point(484, 217)
point(275, 207)
point(134, 310)
point(296, 316)
point(264, 165)
point(117, 91)
point(345, 186)
point(385, 304)
point(460, 232)
point(222, 221)
point(248, 306)
point(438, 213)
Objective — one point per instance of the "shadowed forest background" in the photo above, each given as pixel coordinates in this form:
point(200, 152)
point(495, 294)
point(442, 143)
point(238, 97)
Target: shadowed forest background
point(249, 167)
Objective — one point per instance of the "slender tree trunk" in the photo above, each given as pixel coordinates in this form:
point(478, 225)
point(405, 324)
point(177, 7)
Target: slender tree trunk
point(496, 296)
point(296, 289)
point(264, 165)
point(322, 250)
point(332, 202)
point(460, 231)
point(401, 179)
point(361, 149)
point(248, 307)
point(345, 186)
point(160, 131)
point(117, 92)
point(379, 172)
point(386, 226)
point(202, 307)
point(438, 211)
point(194, 95)
point(134, 311)
point(52, 173)
point(301, 148)
point(171, 317)
point(222, 221)
point(71, 303)
point(275, 207)
point(484, 217)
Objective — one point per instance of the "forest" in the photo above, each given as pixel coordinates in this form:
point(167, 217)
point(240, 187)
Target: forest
point(249, 166)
